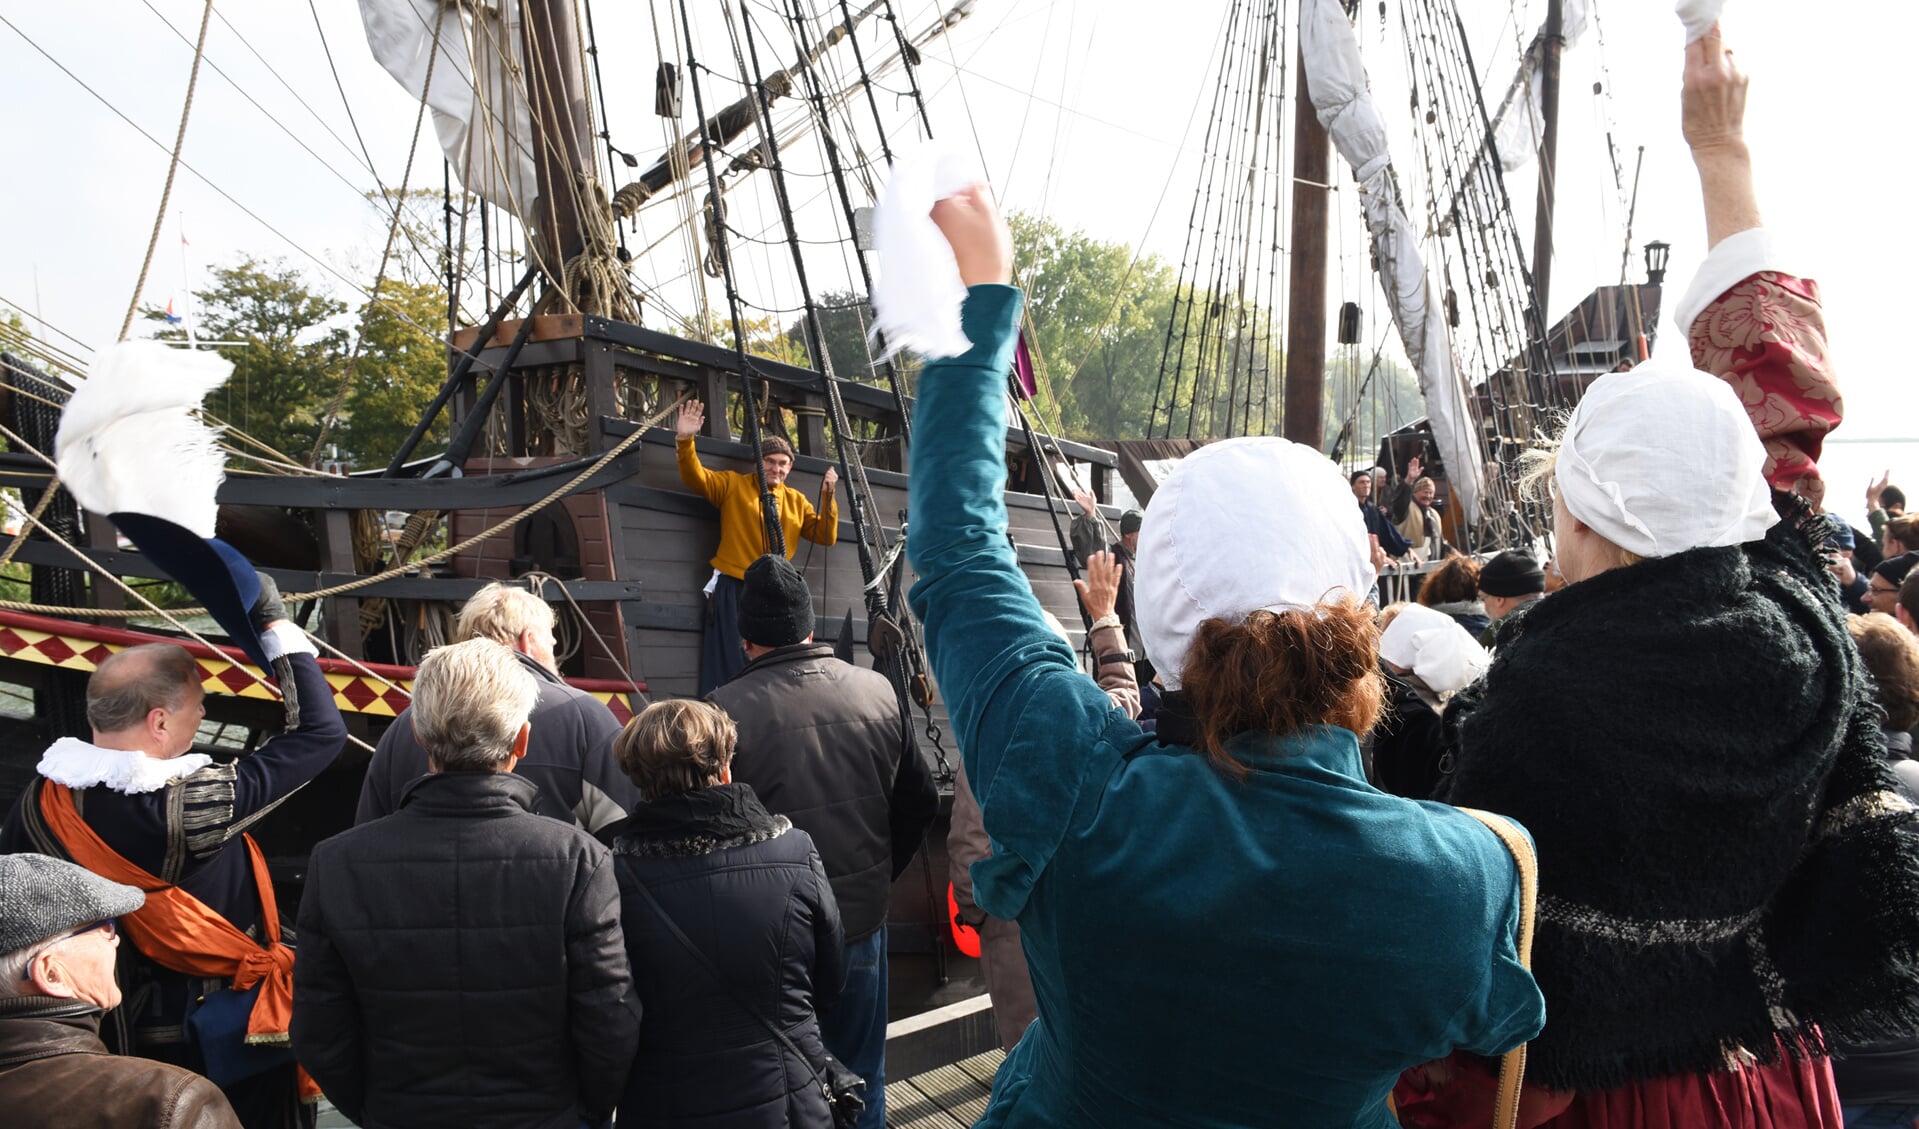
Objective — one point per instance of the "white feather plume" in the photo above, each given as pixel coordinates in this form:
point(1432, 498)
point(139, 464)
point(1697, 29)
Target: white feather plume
point(918, 294)
point(129, 441)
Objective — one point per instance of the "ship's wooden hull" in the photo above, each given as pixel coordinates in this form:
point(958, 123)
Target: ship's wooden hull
point(630, 548)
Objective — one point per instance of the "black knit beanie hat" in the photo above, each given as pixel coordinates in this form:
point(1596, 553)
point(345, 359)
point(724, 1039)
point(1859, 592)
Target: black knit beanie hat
point(776, 606)
point(1512, 573)
point(1894, 570)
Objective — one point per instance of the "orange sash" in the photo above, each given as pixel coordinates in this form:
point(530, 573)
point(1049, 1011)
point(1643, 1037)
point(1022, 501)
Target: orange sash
point(178, 931)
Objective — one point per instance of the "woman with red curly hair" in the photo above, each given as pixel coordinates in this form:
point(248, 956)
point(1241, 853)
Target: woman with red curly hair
point(1225, 924)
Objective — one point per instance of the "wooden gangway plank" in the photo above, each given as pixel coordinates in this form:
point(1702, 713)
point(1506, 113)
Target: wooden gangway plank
point(948, 1097)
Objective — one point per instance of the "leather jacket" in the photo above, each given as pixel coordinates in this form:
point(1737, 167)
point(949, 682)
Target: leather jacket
point(54, 1070)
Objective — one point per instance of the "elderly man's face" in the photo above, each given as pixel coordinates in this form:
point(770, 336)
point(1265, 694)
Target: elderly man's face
point(1424, 494)
point(80, 966)
point(1882, 595)
point(776, 468)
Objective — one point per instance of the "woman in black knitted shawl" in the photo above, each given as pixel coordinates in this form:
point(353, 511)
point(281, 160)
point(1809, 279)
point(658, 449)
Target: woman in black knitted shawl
point(1727, 876)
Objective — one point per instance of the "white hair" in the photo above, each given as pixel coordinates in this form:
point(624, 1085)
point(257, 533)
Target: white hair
point(501, 613)
point(469, 701)
point(14, 965)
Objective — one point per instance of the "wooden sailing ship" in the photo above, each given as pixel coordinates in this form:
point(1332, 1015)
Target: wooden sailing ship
point(560, 473)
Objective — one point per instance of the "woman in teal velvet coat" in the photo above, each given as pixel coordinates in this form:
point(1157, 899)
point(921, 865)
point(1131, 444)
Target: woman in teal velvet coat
point(1227, 926)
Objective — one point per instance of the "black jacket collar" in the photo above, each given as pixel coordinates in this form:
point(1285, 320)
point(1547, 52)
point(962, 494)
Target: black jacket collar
point(540, 672)
point(471, 794)
point(794, 652)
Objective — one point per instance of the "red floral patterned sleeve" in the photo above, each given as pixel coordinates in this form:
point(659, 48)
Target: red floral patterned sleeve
point(1767, 338)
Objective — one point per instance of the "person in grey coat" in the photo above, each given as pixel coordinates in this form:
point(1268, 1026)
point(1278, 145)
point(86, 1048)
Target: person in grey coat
point(461, 961)
point(570, 756)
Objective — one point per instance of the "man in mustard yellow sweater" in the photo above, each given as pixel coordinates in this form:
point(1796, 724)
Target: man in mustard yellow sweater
point(743, 537)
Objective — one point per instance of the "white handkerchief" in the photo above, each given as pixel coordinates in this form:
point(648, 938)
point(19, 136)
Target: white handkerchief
point(1698, 16)
point(918, 294)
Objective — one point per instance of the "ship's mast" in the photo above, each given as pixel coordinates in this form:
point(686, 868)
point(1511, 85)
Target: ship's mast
point(1552, 45)
point(557, 105)
point(1304, 418)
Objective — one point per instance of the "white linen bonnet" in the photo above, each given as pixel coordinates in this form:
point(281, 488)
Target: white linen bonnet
point(1663, 459)
point(1240, 526)
point(1433, 646)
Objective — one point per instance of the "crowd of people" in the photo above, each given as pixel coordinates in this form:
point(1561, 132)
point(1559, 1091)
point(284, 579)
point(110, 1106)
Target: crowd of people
point(539, 919)
point(1288, 856)
point(1317, 930)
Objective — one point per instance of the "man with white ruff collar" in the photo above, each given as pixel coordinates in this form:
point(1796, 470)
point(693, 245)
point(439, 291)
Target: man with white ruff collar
point(208, 975)
point(137, 798)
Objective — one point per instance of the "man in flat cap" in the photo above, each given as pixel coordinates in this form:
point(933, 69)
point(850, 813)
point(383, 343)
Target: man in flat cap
point(58, 944)
point(1508, 584)
point(826, 744)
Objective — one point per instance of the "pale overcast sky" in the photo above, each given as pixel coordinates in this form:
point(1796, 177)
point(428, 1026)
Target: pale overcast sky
point(1082, 108)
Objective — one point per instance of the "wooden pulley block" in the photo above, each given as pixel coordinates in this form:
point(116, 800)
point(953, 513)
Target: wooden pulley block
point(884, 638)
point(922, 691)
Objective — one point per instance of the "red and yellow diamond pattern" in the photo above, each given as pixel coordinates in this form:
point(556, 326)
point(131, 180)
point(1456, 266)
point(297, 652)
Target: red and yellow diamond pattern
point(223, 670)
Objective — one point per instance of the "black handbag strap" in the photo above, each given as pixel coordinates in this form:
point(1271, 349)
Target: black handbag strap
point(713, 972)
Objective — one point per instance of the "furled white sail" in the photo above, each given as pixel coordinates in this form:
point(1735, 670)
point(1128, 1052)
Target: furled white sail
point(478, 103)
point(1336, 81)
point(1520, 124)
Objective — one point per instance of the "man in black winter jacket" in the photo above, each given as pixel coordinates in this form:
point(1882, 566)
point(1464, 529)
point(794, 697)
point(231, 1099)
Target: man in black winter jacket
point(824, 743)
point(461, 961)
point(570, 758)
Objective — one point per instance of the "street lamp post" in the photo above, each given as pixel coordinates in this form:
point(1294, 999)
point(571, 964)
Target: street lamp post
point(1657, 252)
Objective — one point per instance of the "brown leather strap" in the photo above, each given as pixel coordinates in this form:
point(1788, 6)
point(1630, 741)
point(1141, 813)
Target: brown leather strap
point(1512, 1065)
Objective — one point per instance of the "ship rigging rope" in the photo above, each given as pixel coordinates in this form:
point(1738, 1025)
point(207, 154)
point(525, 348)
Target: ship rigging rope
point(280, 125)
point(870, 538)
point(399, 570)
point(350, 369)
point(173, 166)
point(155, 609)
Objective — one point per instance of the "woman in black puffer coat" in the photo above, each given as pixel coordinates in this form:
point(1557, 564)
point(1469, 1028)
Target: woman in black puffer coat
point(748, 890)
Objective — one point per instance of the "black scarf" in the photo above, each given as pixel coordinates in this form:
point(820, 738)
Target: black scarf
point(699, 822)
point(1693, 744)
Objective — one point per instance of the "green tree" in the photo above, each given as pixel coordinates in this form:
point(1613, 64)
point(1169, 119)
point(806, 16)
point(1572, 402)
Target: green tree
point(1369, 396)
point(287, 359)
point(845, 318)
point(764, 337)
point(419, 246)
point(400, 370)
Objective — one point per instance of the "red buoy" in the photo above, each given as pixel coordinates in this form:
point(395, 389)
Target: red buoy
point(965, 937)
